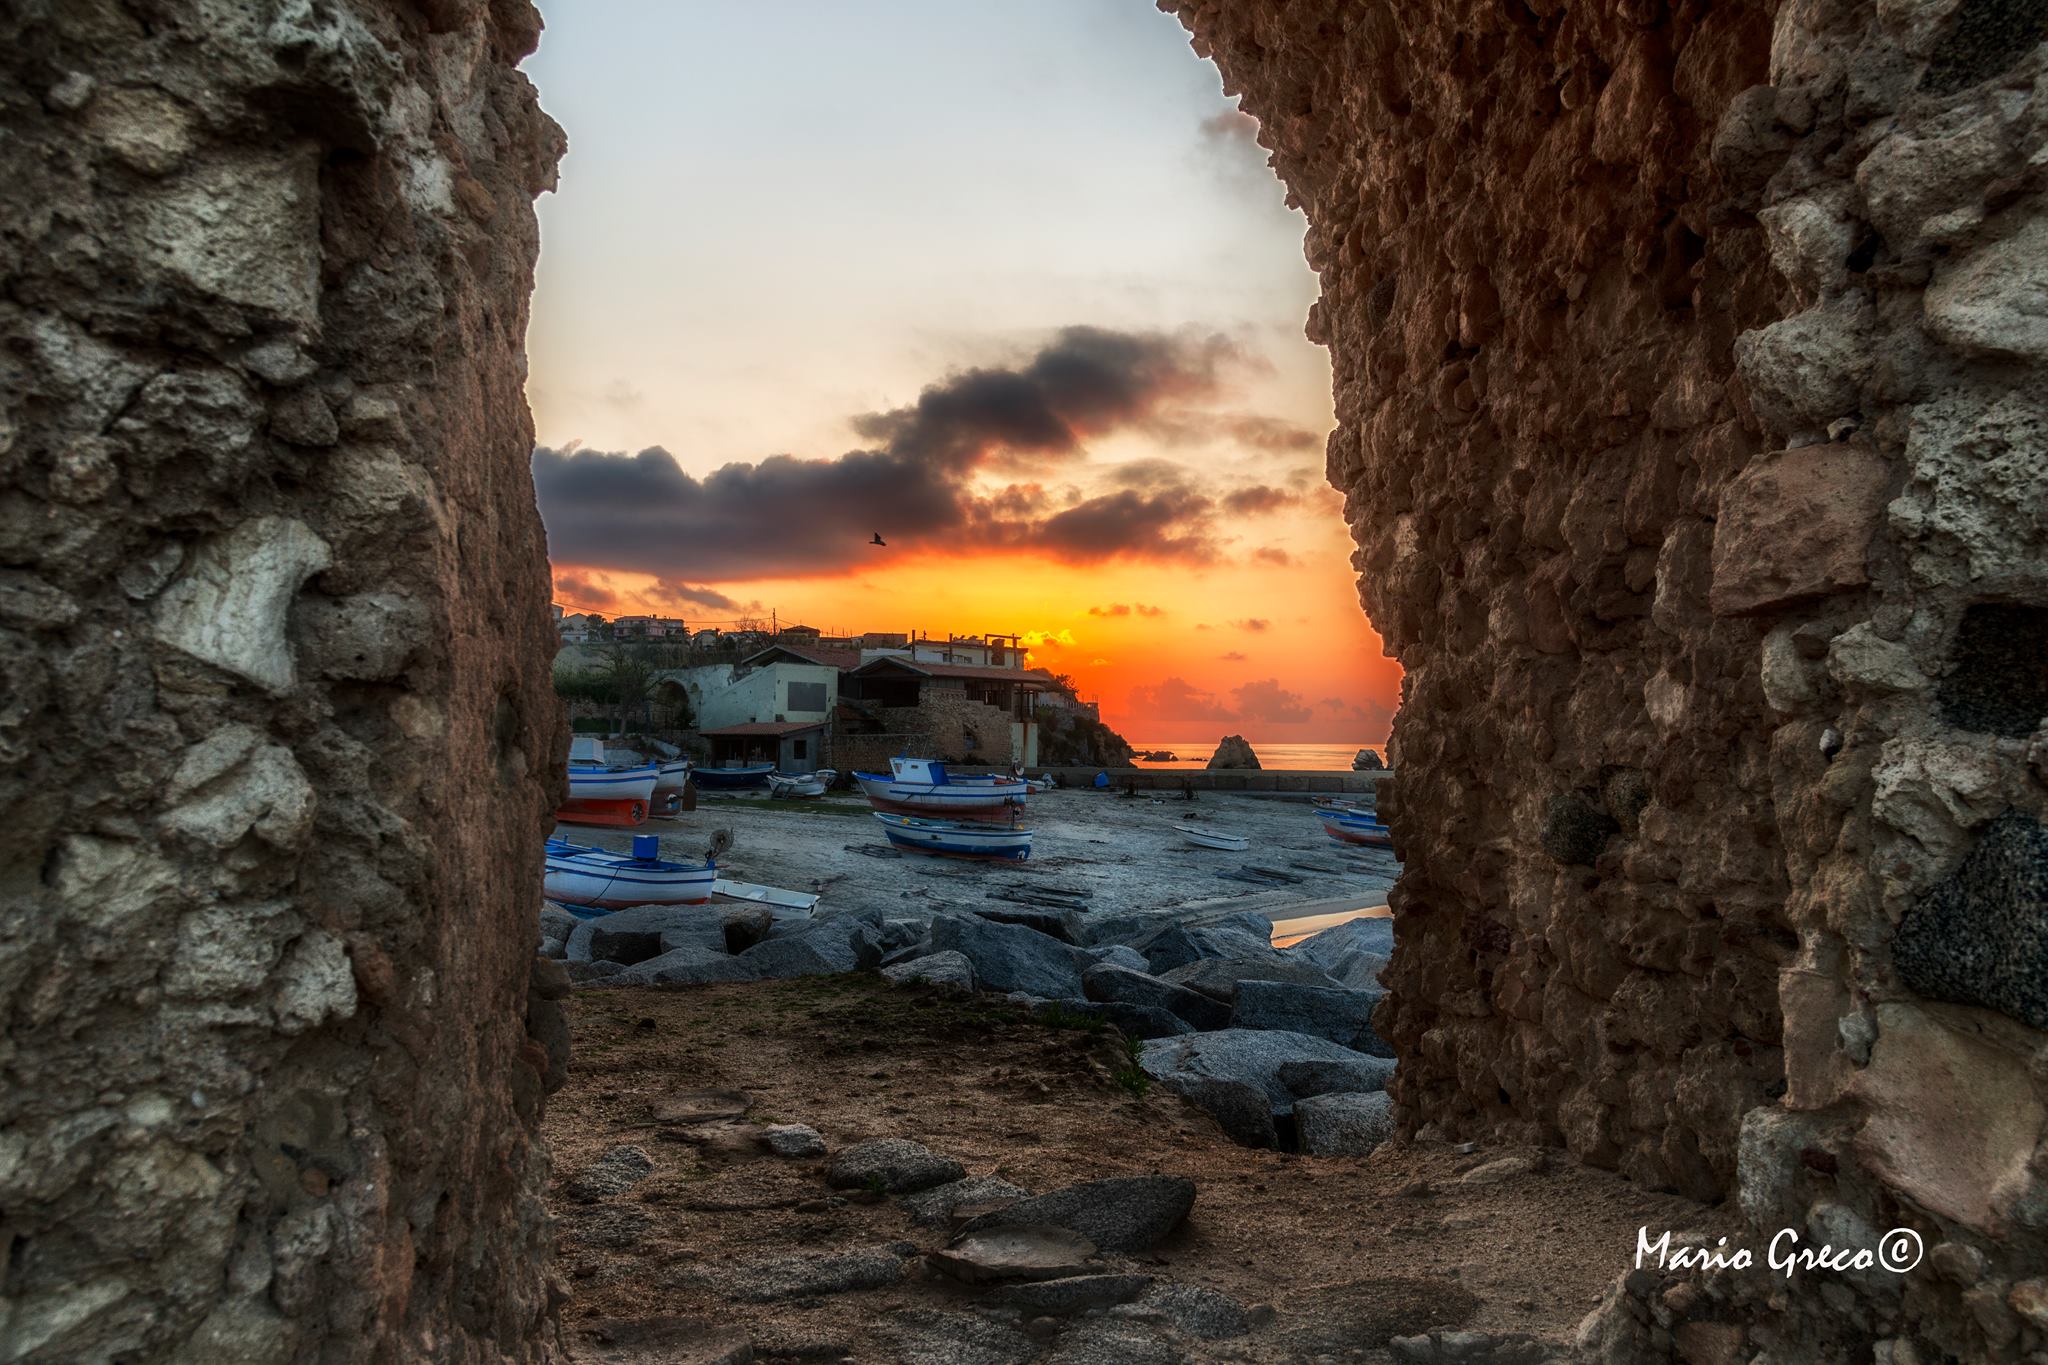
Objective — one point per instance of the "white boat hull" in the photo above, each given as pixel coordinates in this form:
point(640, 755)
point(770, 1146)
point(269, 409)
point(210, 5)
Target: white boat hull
point(605, 784)
point(941, 799)
point(604, 880)
point(955, 838)
point(1207, 838)
point(752, 893)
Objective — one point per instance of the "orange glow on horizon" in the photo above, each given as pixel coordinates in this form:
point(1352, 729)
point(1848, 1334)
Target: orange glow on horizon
point(1165, 649)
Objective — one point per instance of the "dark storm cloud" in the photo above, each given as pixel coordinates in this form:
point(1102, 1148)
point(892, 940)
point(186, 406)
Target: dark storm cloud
point(790, 516)
point(695, 595)
point(577, 591)
point(1088, 380)
point(1155, 526)
point(1258, 499)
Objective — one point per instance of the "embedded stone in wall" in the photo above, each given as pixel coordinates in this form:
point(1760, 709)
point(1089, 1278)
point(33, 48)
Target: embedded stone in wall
point(1574, 829)
point(1981, 936)
point(1796, 525)
point(1997, 681)
point(1953, 1119)
point(229, 607)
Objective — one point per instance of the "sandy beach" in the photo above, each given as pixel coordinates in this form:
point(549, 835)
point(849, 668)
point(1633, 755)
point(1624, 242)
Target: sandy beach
point(1119, 855)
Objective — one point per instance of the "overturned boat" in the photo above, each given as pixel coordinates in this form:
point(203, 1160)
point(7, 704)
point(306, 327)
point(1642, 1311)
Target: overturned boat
point(923, 786)
point(797, 784)
point(604, 880)
point(956, 838)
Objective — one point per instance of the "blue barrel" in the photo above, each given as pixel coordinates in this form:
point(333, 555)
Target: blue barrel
point(647, 847)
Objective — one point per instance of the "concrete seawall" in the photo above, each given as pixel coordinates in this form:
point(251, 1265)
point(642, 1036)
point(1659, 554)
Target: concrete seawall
point(1274, 782)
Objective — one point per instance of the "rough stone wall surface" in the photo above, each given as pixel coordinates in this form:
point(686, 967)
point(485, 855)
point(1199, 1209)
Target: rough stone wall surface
point(277, 742)
point(1694, 431)
point(1533, 278)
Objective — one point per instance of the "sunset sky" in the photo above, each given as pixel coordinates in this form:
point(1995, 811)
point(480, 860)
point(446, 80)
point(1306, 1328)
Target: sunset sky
point(1010, 285)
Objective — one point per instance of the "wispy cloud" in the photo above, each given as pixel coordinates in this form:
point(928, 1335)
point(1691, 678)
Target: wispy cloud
point(1264, 701)
point(1254, 624)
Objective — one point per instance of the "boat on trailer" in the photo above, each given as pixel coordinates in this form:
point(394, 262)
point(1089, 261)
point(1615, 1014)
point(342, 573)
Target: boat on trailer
point(955, 838)
point(732, 777)
point(923, 786)
point(1353, 825)
point(1214, 838)
point(600, 879)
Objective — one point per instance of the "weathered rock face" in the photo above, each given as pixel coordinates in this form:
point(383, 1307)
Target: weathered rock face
point(1235, 751)
point(1688, 366)
point(1534, 273)
point(276, 735)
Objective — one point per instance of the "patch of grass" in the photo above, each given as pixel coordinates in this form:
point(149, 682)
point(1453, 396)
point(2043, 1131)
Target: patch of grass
point(1130, 1075)
point(1057, 1016)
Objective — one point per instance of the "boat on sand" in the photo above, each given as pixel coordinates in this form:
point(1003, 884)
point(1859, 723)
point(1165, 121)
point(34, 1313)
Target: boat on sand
point(955, 838)
point(924, 786)
point(1353, 825)
point(603, 880)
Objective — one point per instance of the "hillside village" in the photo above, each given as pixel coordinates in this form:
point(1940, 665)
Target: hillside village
point(803, 700)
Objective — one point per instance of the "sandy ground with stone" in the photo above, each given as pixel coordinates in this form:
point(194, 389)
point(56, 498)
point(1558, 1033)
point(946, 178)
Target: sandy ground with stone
point(1123, 852)
point(1348, 1252)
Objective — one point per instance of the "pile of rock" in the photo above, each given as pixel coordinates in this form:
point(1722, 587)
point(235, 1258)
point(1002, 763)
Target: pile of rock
point(1277, 1045)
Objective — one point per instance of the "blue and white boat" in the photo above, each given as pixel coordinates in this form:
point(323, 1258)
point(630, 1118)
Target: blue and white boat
point(1351, 825)
point(956, 838)
point(922, 786)
point(732, 777)
point(603, 880)
point(590, 782)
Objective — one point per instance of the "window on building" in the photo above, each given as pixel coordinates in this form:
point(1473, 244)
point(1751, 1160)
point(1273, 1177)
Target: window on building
point(799, 748)
point(807, 696)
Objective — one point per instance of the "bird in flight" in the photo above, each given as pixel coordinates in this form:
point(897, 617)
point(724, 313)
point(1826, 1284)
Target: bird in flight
point(878, 539)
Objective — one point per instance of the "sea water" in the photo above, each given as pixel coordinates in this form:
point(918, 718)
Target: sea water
point(1285, 757)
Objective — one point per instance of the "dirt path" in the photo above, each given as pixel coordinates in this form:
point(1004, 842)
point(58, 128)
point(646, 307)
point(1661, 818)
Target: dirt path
point(1346, 1252)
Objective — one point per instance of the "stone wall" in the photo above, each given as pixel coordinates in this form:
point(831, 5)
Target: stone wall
point(277, 744)
point(1688, 369)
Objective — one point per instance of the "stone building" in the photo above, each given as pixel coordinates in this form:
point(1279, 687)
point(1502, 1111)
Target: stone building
point(960, 712)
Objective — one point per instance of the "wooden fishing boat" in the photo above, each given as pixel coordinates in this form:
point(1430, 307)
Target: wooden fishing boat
point(955, 838)
point(619, 797)
point(923, 786)
point(603, 880)
point(795, 784)
point(1215, 838)
point(1352, 825)
point(732, 777)
point(753, 893)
